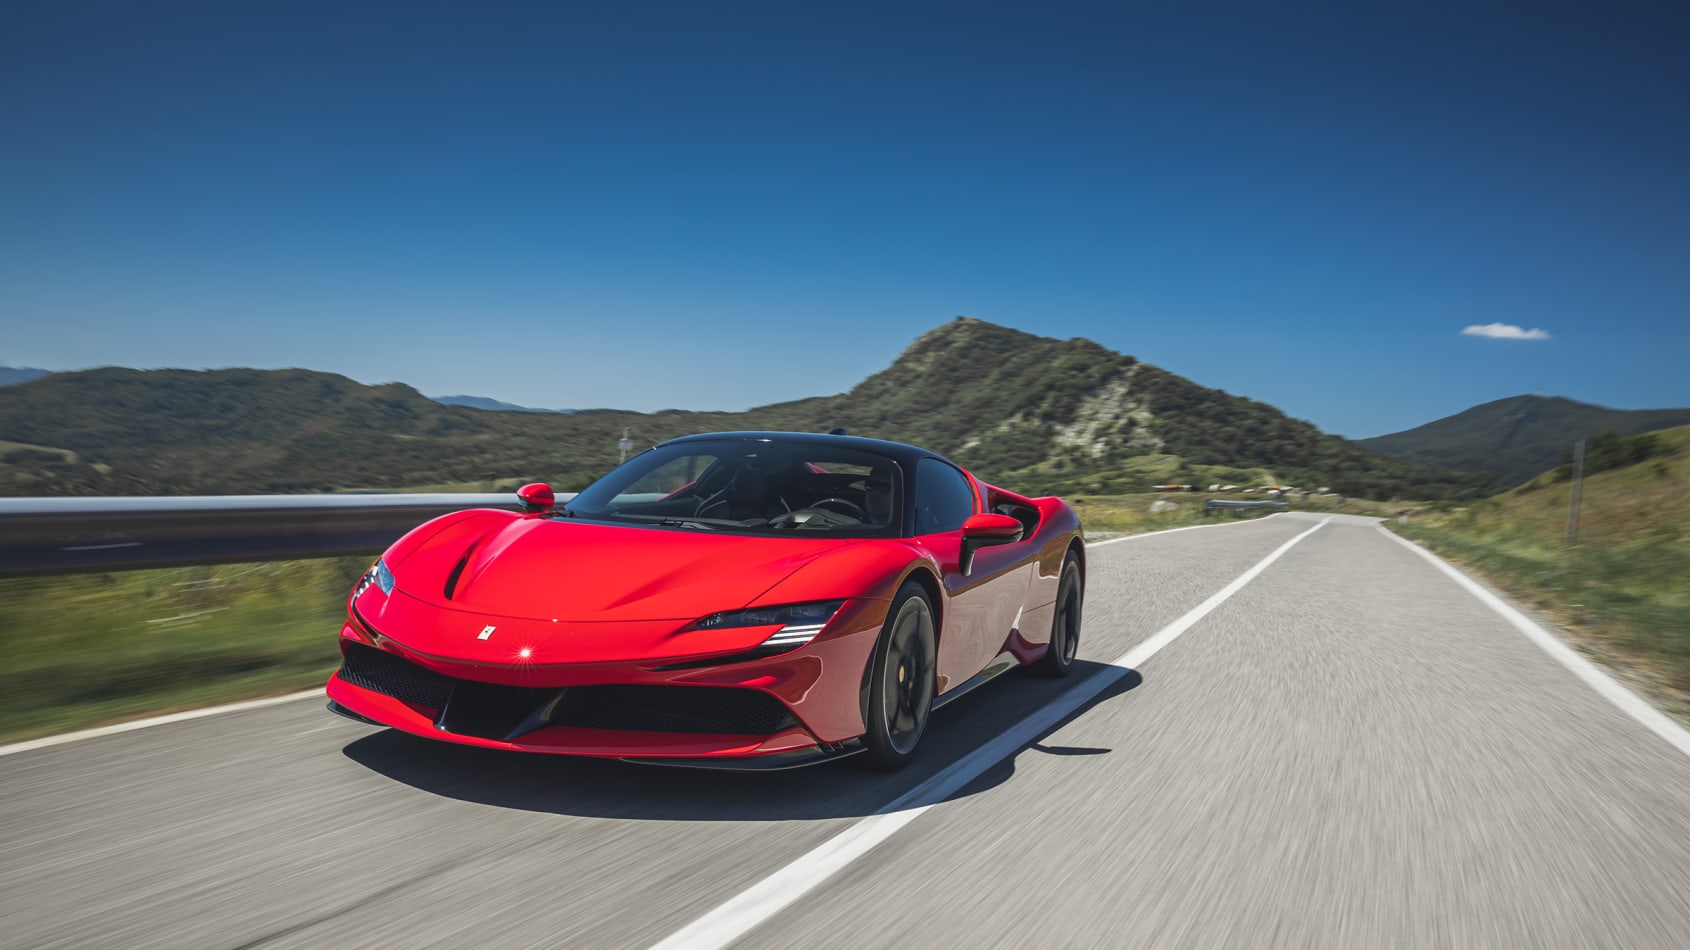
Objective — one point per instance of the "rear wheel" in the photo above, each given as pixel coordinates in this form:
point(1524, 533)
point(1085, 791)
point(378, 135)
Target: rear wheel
point(901, 681)
point(1065, 627)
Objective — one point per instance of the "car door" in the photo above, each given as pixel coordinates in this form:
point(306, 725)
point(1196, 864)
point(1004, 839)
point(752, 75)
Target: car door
point(983, 604)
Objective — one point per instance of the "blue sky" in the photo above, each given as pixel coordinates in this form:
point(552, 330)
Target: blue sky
point(721, 205)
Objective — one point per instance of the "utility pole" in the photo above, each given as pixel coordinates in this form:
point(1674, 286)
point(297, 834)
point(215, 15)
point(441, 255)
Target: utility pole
point(626, 444)
point(1578, 491)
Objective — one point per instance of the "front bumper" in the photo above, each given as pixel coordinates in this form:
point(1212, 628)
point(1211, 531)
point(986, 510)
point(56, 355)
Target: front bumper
point(778, 711)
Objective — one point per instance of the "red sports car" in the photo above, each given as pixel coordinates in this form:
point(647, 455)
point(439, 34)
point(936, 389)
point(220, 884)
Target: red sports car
point(731, 600)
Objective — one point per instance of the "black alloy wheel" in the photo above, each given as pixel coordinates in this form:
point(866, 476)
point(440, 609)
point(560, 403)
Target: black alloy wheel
point(901, 681)
point(1065, 626)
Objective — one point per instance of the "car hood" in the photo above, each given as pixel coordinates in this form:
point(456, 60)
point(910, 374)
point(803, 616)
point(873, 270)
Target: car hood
point(571, 571)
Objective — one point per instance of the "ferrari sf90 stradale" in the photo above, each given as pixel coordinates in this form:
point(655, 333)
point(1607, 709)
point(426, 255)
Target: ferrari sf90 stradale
point(733, 600)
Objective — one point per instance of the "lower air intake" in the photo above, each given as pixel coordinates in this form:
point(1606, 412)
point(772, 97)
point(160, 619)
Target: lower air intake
point(493, 711)
point(384, 673)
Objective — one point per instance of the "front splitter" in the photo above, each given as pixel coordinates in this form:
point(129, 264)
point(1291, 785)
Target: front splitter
point(775, 762)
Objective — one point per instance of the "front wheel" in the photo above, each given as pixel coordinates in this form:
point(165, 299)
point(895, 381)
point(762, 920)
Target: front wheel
point(1065, 627)
point(901, 681)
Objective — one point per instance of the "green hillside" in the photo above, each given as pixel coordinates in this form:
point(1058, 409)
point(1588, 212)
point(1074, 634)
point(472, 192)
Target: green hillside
point(1030, 412)
point(1517, 438)
point(1622, 585)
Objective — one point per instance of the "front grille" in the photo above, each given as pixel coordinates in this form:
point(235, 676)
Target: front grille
point(493, 711)
point(384, 673)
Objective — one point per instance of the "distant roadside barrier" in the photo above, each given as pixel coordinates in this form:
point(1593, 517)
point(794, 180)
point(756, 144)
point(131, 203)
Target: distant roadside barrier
point(1216, 504)
point(41, 536)
point(75, 535)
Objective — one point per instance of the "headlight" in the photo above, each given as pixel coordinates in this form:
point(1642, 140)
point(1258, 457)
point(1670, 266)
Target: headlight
point(379, 575)
point(799, 623)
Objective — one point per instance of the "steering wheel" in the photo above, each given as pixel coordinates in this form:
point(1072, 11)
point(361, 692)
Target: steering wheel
point(848, 507)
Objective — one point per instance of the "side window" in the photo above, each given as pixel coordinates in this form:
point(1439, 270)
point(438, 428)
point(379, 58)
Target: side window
point(944, 498)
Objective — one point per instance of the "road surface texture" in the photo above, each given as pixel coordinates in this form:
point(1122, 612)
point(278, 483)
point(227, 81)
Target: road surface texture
point(1348, 750)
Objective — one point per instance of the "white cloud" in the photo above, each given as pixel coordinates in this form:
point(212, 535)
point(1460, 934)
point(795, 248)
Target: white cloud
point(1505, 331)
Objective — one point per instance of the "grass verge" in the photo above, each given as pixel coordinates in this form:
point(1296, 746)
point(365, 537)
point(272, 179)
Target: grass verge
point(90, 649)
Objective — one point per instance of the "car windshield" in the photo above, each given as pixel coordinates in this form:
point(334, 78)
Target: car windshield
point(750, 486)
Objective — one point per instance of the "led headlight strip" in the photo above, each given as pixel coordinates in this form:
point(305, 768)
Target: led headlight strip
point(799, 622)
point(794, 636)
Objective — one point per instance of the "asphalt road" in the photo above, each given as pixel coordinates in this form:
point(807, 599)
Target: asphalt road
point(1349, 751)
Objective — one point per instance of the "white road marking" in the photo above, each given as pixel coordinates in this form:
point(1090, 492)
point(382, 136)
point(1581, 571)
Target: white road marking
point(768, 897)
point(1611, 689)
point(79, 735)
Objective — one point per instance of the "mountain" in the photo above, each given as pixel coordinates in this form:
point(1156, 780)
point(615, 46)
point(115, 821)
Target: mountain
point(20, 374)
point(1029, 412)
point(491, 405)
point(1071, 416)
point(1518, 438)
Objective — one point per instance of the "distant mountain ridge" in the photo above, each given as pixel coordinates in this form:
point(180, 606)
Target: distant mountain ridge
point(491, 405)
point(20, 374)
point(1517, 438)
point(1032, 413)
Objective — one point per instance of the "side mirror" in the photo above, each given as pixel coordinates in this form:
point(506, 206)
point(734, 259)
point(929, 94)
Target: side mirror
point(985, 530)
point(536, 498)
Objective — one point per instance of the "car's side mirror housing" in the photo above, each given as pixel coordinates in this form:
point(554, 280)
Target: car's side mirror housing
point(985, 530)
point(536, 498)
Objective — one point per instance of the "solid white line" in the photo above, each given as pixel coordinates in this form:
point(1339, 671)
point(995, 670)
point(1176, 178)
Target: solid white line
point(78, 736)
point(1611, 689)
point(751, 907)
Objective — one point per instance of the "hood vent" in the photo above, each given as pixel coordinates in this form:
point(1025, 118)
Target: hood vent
point(457, 570)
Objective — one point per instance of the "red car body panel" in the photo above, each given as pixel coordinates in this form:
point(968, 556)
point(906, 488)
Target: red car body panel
point(535, 606)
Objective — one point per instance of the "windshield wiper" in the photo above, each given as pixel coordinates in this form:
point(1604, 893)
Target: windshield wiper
point(662, 521)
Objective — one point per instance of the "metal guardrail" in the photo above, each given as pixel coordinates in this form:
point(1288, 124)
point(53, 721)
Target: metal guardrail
point(75, 535)
point(1216, 504)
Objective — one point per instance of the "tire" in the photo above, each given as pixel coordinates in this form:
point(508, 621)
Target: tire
point(1065, 626)
point(901, 682)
